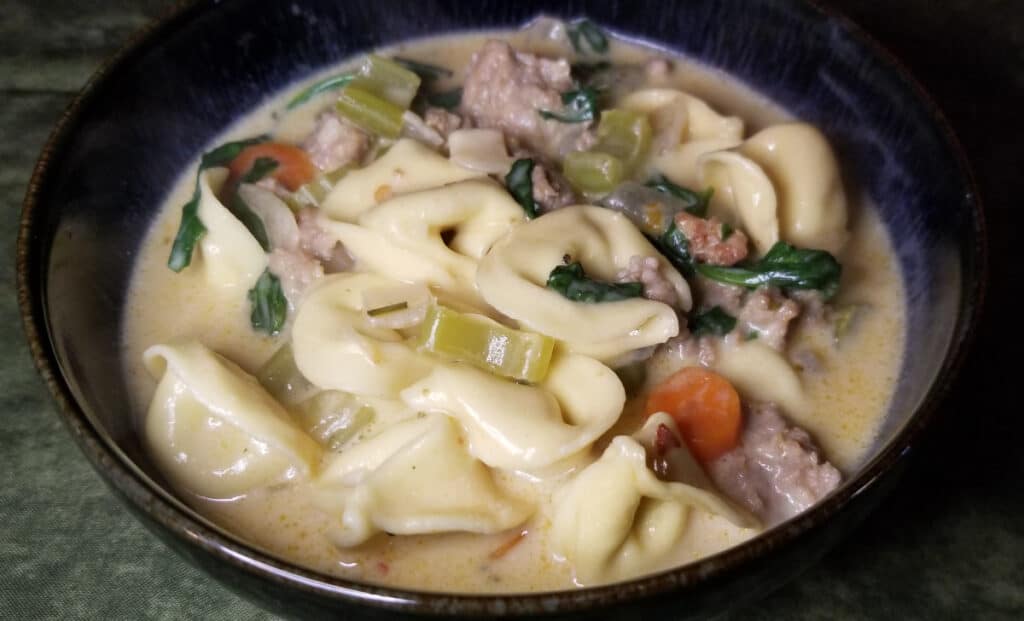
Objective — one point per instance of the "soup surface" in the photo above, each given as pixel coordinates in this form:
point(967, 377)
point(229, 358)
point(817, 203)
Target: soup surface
point(510, 342)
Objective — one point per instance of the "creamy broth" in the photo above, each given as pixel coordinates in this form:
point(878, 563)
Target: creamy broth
point(846, 398)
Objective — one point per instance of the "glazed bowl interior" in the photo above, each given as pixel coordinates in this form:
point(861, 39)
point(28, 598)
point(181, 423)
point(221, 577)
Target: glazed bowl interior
point(142, 123)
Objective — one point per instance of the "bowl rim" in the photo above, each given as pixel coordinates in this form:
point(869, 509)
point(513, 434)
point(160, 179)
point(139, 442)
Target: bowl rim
point(124, 477)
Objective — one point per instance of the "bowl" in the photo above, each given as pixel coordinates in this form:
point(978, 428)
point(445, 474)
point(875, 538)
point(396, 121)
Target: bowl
point(143, 118)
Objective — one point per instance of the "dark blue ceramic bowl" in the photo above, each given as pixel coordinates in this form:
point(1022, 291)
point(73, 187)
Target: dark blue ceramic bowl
point(145, 117)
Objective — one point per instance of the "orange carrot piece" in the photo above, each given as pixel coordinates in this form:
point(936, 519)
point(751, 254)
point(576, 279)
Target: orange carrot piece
point(293, 165)
point(705, 406)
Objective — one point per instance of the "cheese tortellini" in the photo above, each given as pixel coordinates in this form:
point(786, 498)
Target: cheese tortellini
point(230, 256)
point(512, 278)
point(618, 519)
point(413, 478)
point(213, 429)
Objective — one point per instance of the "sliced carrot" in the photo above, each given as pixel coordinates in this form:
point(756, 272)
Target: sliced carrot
point(705, 406)
point(293, 166)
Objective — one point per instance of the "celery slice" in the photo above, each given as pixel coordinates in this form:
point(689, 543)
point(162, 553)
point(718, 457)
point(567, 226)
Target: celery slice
point(313, 193)
point(388, 80)
point(486, 344)
point(593, 172)
point(282, 379)
point(370, 112)
point(333, 417)
point(624, 134)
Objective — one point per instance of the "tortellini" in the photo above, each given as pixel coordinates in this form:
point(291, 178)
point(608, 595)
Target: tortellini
point(519, 427)
point(435, 236)
point(230, 255)
point(408, 166)
point(513, 275)
point(744, 196)
point(616, 519)
point(760, 373)
point(215, 431)
point(335, 346)
point(415, 477)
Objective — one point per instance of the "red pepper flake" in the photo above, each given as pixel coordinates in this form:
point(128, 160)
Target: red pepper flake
point(507, 546)
point(383, 568)
point(664, 441)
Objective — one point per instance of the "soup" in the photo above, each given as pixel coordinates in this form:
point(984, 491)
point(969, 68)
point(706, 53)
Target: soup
point(515, 311)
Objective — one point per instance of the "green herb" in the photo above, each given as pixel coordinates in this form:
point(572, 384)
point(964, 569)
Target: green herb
point(519, 181)
point(390, 308)
point(750, 336)
point(696, 202)
point(784, 266)
point(449, 100)
point(426, 71)
point(269, 306)
point(580, 107)
point(714, 321)
point(191, 228)
point(332, 83)
point(585, 31)
point(262, 167)
point(571, 282)
point(676, 248)
point(727, 231)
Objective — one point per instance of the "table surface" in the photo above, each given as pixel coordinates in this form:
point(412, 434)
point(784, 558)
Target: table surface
point(948, 543)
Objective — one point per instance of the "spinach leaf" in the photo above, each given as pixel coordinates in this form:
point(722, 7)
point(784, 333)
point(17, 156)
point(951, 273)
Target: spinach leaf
point(585, 31)
point(714, 321)
point(449, 100)
point(676, 248)
point(580, 107)
point(784, 266)
point(519, 181)
point(191, 228)
point(269, 306)
point(571, 282)
point(327, 84)
point(727, 231)
point(425, 71)
point(262, 167)
point(696, 202)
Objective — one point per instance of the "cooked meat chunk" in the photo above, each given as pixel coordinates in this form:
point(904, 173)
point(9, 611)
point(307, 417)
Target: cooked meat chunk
point(505, 89)
point(296, 270)
point(712, 293)
point(707, 241)
point(693, 349)
point(645, 270)
point(319, 244)
point(442, 121)
point(767, 313)
point(335, 143)
point(776, 471)
point(550, 189)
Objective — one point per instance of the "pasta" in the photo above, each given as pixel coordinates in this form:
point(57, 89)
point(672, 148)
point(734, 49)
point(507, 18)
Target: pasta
point(544, 323)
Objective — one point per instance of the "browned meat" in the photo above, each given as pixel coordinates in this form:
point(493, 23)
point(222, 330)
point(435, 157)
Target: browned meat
point(767, 313)
point(707, 244)
point(442, 121)
point(776, 471)
point(712, 293)
point(692, 349)
point(335, 143)
point(319, 244)
point(505, 89)
point(551, 190)
point(645, 270)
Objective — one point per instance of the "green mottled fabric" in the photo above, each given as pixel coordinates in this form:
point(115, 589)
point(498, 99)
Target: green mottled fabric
point(949, 544)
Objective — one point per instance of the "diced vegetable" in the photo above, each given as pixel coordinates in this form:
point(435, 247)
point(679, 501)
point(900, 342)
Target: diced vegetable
point(269, 306)
point(705, 406)
point(398, 307)
point(651, 211)
point(313, 193)
point(370, 112)
point(783, 266)
point(191, 229)
point(327, 84)
point(333, 417)
point(695, 203)
point(586, 37)
point(593, 172)
point(387, 80)
point(293, 168)
point(425, 71)
point(571, 281)
point(580, 107)
point(624, 134)
point(486, 344)
point(282, 378)
point(714, 321)
point(519, 181)
point(449, 100)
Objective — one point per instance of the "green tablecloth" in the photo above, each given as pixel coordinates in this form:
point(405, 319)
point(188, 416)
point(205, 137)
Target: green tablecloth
point(949, 543)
